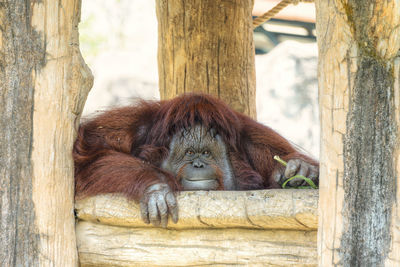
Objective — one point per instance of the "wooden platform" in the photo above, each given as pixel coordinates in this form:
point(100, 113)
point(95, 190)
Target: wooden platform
point(256, 228)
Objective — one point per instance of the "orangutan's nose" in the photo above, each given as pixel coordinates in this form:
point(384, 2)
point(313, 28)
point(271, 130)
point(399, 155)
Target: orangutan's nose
point(198, 163)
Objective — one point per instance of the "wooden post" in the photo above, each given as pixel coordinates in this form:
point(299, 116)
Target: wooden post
point(359, 76)
point(207, 46)
point(43, 85)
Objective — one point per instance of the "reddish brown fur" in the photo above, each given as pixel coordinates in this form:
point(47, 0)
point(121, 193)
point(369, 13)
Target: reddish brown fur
point(121, 150)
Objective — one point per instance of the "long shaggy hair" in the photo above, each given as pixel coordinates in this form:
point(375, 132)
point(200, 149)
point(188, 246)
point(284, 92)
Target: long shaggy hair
point(121, 150)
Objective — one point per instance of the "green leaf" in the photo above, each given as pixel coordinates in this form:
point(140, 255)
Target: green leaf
point(308, 180)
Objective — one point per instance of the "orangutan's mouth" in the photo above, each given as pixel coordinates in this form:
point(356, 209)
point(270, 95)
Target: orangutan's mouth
point(199, 184)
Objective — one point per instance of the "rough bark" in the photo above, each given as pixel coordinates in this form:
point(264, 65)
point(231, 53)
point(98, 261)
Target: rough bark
point(44, 83)
point(255, 228)
point(207, 46)
point(359, 206)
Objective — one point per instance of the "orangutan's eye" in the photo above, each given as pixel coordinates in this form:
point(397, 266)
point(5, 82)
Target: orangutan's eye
point(206, 153)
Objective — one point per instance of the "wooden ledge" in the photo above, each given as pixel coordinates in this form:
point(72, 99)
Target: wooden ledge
point(263, 209)
point(216, 228)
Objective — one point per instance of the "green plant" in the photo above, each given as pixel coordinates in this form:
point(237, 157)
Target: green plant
point(308, 180)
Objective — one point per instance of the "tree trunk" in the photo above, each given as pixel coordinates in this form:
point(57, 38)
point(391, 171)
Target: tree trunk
point(44, 83)
point(359, 80)
point(207, 46)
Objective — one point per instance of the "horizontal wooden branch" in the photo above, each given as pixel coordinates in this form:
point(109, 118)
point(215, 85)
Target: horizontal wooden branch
point(104, 245)
point(263, 209)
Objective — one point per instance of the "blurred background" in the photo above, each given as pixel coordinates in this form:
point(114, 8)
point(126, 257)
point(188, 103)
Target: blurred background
point(118, 39)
